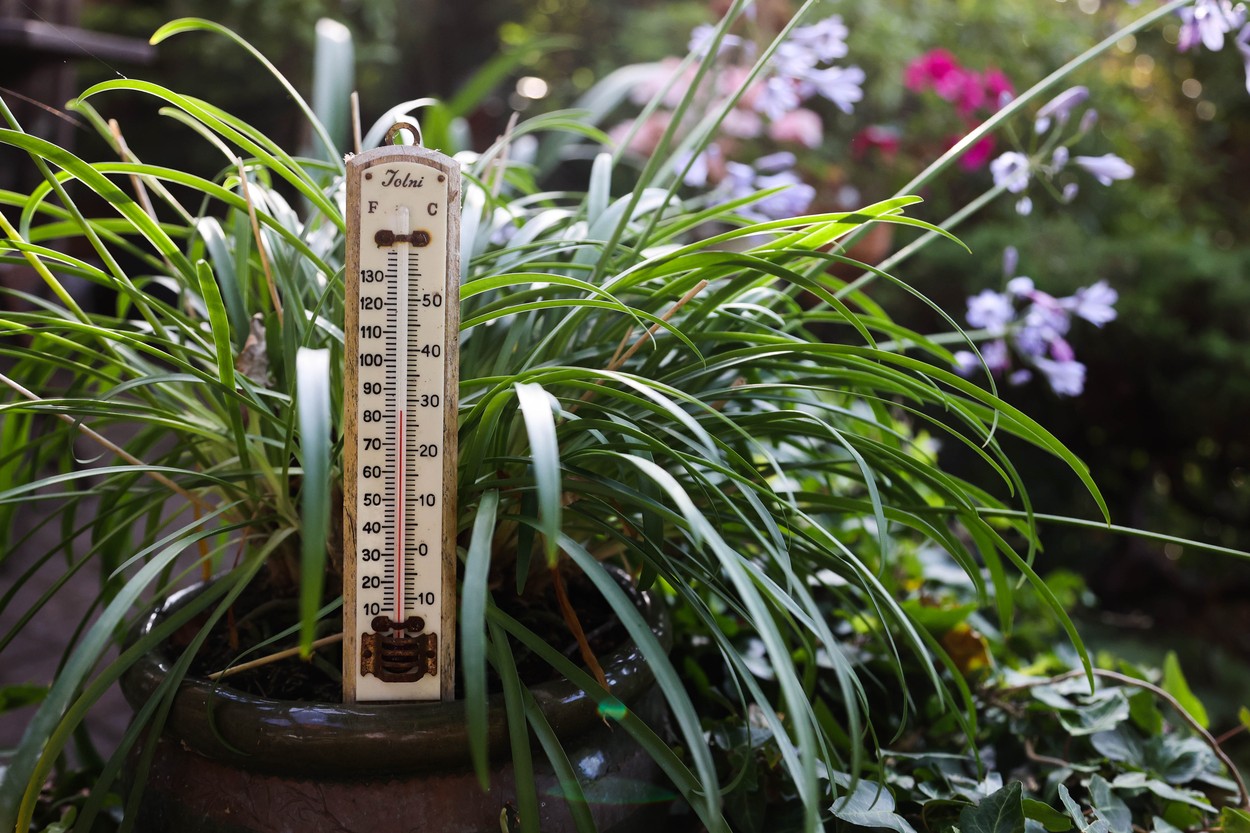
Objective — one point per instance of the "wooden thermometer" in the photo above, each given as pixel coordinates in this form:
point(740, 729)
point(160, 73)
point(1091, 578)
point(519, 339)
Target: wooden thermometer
point(401, 395)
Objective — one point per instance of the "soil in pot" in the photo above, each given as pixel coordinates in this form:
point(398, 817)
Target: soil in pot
point(231, 760)
point(263, 612)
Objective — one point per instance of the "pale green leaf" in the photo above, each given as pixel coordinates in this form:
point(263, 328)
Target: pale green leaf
point(870, 805)
point(1174, 683)
point(313, 374)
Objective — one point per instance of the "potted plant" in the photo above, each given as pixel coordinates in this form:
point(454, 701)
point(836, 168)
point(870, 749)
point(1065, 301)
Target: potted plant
point(636, 390)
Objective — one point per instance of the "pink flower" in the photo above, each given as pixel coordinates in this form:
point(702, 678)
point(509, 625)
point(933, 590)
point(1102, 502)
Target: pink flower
point(647, 139)
point(742, 124)
point(951, 85)
point(998, 87)
point(801, 125)
point(929, 69)
point(732, 78)
point(875, 137)
point(663, 72)
point(970, 96)
point(978, 155)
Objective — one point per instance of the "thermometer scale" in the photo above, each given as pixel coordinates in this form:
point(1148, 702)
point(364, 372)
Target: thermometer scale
point(400, 398)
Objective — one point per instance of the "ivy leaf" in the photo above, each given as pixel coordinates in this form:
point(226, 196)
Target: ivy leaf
point(1098, 825)
point(871, 805)
point(1002, 812)
point(1047, 816)
point(1141, 781)
point(1233, 820)
point(1109, 806)
point(1164, 826)
point(1145, 712)
point(1122, 746)
point(1103, 715)
point(1174, 683)
point(1178, 761)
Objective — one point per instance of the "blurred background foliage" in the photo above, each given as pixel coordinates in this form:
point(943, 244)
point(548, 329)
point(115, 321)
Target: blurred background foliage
point(1163, 419)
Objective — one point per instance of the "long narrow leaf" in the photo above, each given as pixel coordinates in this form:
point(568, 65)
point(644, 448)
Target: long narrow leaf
point(313, 371)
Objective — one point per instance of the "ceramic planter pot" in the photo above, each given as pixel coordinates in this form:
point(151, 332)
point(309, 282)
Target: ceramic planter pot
point(229, 762)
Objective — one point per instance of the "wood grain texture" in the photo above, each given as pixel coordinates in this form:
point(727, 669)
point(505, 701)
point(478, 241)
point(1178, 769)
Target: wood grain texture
point(356, 167)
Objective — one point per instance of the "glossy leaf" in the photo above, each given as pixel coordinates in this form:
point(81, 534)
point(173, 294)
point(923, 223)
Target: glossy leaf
point(1174, 683)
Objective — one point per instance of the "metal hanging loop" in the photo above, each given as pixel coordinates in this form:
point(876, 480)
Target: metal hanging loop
point(399, 126)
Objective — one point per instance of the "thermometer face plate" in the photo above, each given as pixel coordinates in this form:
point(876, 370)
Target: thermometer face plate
point(401, 395)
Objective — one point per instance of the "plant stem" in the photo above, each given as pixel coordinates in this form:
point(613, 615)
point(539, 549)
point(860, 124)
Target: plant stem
point(272, 658)
point(988, 126)
point(991, 124)
point(575, 627)
point(1198, 728)
point(245, 188)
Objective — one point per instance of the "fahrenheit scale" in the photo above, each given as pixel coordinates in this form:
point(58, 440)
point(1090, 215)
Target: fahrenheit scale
point(401, 394)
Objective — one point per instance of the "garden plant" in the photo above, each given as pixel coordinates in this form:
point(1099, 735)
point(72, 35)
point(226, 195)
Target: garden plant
point(677, 369)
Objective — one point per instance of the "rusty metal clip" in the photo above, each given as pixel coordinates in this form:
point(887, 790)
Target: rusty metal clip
point(397, 652)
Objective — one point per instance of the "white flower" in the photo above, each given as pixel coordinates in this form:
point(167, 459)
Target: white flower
point(1095, 303)
point(1060, 107)
point(1011, 171)
point(1020, 287)
point(841, 85)
point(1105, 168)
point(990, 310)
point(1065, 378)
point(825, 38)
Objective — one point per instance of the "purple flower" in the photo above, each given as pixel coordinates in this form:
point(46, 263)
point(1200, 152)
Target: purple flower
point(1059, 108)
point(1094, 303)
point(1059, 158)
point(775, 163)
point(1061, 351)
point(1020, 376)
point(1105, 168)
point(841, 85)
point(1088, 121)
point(1065, 378)
point(769, 172)
point(1020, 287)
point(740, 179)
point(778, 97)
point(997, 357)
point(1207, 21)
point(1069, 192)
point(1044, 322)
point(965, 362)
point(1242, 42)
point(990, 310)
point(825, 38)
point(1024, 206)
point(1011, 171)
point(696, 176)
point(1011, 260)
point(994, 355)
point(701, 40)
point(794, 60)
point(791, 201)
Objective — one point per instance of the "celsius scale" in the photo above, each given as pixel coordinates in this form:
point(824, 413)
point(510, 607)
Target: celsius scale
point(400, 399)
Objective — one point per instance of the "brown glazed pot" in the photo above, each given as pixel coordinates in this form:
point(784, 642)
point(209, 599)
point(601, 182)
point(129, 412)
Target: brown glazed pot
point(230, 762)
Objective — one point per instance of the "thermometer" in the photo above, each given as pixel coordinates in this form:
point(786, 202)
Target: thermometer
point(400, 398)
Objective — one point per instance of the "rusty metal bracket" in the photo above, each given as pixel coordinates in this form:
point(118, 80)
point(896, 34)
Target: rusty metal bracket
point(397, 652)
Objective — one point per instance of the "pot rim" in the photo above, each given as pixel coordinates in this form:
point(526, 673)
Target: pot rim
point(359, 738)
